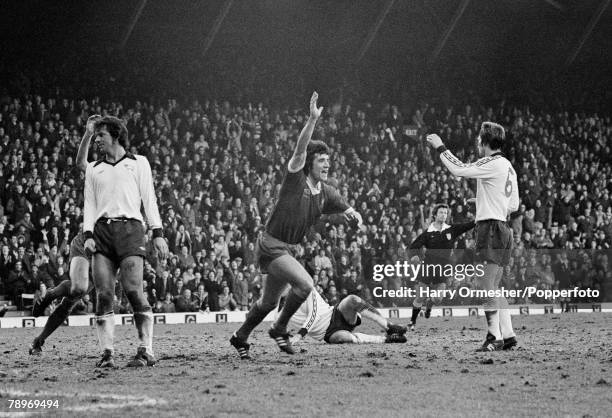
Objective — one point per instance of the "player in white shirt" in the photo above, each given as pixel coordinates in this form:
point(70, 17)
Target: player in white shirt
point(115, 188)
point(496, 198)
point(336, 324)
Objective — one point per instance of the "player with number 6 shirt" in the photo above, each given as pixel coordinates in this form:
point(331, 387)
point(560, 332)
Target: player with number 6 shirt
point(496, 198)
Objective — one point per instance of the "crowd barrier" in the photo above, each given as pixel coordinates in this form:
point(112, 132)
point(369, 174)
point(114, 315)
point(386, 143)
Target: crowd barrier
point(239, 316)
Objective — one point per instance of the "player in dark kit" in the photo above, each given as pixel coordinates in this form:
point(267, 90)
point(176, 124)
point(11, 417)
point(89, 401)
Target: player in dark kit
point(304, 197)
point(439, 241)
point(70, 290)
point(74, 289)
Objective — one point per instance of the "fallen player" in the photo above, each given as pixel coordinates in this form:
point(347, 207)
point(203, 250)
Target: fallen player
point(336, 324)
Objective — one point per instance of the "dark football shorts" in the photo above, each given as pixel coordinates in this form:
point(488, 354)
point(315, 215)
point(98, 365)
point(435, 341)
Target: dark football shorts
point(269, 248)
point(433, 278)
point(493, 242)
point(77, 247)
point(339, 323)
point(118, 238)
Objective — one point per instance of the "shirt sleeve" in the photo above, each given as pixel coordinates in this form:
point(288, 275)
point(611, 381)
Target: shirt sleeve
point(514, 202)
point(311, 308)
point(147, 194)
point(457, 229)
point(419, 242)
point(334, 203)
point(292, 182)
point(481, 169)
point(89, 210)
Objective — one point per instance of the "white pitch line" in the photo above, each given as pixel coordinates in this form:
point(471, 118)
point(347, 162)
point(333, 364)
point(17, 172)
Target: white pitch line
point(126, 400)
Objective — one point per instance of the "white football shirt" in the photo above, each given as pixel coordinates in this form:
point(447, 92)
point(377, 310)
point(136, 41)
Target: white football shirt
point(314, 315)
point(116, 190)
point(496, 186)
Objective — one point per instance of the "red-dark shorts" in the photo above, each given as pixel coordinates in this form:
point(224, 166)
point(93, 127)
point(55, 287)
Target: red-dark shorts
point(269, 248)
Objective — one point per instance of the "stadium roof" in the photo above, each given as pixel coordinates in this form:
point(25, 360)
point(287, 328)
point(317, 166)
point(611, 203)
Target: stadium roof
point(353, 34)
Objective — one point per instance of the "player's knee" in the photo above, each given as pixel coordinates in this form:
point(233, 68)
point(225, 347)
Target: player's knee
point(142, 308)
point(490, 304)
point(502, 303)
point(105, 301)
point(78, 291)
point(266, 305)
point(303, 289)
point(138, 301)
point(343, 338)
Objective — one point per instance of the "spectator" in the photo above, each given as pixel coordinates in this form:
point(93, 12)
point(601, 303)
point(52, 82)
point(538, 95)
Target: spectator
point(226, 300)
point(168, 305)
point(184, 303)
point(240, 292)
point(19, 282)
point(201, 298)
point(40, 293)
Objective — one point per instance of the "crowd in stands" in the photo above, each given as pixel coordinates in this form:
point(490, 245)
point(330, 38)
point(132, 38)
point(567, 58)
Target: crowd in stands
point(218, 165)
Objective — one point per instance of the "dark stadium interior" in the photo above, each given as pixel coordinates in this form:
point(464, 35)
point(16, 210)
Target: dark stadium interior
point(517, 61)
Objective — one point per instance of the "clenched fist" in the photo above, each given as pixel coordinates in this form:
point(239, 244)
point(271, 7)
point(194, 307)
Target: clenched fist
point(435, 141)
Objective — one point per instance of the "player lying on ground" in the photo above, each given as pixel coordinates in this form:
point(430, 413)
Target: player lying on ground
point(74, 289)
point(336, 324)
point(438, 241)
point(496, 198)
point(304, 197)
point(116, 187)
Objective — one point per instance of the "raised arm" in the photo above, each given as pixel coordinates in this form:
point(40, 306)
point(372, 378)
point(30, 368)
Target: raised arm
point(228, 131)
point(81, 159)
point(239, 127)
point(297, 161)
point(479, 169)
point(89, 210)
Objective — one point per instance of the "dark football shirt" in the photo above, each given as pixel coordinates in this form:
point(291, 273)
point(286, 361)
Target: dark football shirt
point(439, 244)
point(297, 208)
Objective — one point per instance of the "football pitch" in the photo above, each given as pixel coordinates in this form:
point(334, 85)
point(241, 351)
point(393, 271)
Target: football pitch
point(563, 367)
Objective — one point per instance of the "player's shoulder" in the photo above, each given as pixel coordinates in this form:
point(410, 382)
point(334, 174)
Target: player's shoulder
point(432, 228)
point(293, 176)
point(139, 159)
point(494, 159)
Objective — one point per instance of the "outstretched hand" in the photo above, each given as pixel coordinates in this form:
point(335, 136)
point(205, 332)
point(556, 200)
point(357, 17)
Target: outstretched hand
point(435, 141)
point(315, 112)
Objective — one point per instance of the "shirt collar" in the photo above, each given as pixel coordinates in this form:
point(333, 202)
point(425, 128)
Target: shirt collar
point(103, 159)
point(432, 227)
point(314, 189)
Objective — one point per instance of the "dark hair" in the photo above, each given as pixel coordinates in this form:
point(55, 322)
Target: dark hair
point(115, 127)
point(314, 147)
point(492, 134)
point(438, 207)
